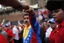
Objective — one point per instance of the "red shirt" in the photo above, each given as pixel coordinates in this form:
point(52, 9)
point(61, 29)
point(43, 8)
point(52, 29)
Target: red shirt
point(3, 39)
point(10, 35)
point(57, 36)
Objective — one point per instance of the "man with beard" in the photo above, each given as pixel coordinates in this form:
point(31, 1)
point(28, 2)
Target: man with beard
point(31, 33)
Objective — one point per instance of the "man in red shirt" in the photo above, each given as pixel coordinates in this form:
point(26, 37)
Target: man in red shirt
point(10, 34)
point(3, 36)
point(57, 8)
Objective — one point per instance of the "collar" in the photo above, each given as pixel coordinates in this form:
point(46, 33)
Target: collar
point(61, 25)
point(28, 27)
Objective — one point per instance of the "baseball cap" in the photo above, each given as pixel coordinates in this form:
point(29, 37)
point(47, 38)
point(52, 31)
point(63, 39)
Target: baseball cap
point(52, 21)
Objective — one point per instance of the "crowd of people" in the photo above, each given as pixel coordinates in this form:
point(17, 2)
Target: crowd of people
point(47, 30)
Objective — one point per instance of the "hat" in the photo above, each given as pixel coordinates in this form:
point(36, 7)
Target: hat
point(7, 25)
point(53, 5)
point(52, 21)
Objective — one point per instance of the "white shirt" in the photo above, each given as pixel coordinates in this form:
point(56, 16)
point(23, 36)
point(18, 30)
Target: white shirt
point(20, 28)
point(16, 32)
point(48, 31)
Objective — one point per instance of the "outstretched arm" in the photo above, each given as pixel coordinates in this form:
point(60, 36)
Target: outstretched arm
point(32, 17)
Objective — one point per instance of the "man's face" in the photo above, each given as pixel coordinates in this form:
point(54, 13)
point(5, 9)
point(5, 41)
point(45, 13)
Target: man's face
point(58, 15)
point(26, 20)
point(53, 25)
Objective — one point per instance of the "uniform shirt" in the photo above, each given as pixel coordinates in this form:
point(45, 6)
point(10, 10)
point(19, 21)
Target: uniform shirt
point(57, 36)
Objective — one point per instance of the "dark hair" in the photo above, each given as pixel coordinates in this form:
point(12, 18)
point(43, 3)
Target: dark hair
point(25, 15)
point(51, 22)
point(53, 5)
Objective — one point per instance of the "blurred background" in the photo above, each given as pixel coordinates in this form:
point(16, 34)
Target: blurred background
point(13, 15)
